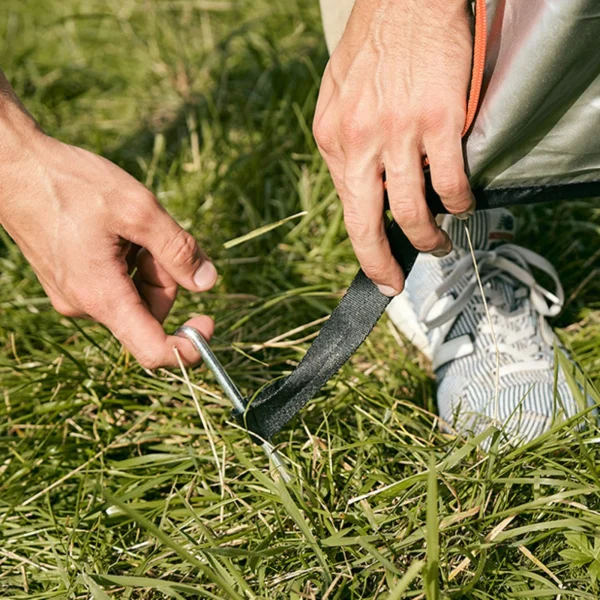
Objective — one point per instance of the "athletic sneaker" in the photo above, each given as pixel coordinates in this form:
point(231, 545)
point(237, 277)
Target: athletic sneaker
point(442, 312)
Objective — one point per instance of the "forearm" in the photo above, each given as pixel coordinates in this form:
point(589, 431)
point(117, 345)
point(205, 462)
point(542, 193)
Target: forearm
point(16, 123)
point(18, 134)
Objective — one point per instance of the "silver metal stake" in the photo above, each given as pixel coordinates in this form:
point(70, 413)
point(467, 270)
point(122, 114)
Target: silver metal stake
point(230, 389)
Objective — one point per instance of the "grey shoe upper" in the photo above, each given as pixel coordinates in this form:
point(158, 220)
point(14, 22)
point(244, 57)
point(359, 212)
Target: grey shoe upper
point(445, 296)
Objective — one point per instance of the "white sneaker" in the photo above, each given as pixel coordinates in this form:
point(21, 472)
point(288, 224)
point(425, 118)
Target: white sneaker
point(441, 311)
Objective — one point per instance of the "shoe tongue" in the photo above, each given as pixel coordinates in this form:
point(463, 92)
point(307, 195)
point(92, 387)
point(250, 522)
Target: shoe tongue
point(488, 228)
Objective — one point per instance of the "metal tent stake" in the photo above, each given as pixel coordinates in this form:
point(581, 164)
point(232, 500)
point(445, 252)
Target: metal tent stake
point(230, 389)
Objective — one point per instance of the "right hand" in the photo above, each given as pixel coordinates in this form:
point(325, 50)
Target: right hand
point(394, 91)
point(84, 224)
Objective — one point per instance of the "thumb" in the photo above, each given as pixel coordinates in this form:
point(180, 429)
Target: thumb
point(174, 249)
point(124, 313)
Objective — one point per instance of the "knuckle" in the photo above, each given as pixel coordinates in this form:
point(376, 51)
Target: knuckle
point(354, 128)
point(352, 185)
point(63, 308)
point(144, 198)
point(359, 228)
point(182, 249)
point(437, 116)
point(396, 174)
point(377, 271)
point(146, 204)
point(451, 185)
point(434, 118)
point(148, 361)
point(138, 209)
point(88, 302)
point(406, 211)
point(395, 120)
point(428, 243)
point(324, 134)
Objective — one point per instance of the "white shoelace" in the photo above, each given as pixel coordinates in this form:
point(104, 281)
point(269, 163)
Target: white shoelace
point(511, 263)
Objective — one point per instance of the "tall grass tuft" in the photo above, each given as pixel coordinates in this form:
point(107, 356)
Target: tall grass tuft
point(109, 486)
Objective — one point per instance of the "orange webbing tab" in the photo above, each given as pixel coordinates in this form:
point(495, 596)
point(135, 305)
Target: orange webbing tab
point(479, 48)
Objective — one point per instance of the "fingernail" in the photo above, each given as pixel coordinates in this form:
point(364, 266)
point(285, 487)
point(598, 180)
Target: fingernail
point(463, 216)
point(206, 275)
point(387, 290)
point(440, 253)
point(445, 249)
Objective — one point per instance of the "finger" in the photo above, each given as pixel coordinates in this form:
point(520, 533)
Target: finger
point(448, 175)
point(156, 287)
point(173, 248)
point(406, 193)
point(135, 327)
point(362, 197)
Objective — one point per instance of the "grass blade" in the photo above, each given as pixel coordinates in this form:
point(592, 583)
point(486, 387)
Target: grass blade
point(398, 592)
point(95, 590)
point(167, 541)
point(432, 575)
point(260, 231)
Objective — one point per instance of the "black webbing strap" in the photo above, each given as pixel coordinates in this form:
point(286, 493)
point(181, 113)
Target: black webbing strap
point(350, 323)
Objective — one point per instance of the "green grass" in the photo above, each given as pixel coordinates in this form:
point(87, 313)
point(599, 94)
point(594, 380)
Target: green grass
point(109, 485)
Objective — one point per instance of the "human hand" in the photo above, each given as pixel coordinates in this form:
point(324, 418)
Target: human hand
point(393, 92)
point(84, 224)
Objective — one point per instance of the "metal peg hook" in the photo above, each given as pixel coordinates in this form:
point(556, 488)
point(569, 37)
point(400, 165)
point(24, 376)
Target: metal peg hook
point(229, 388)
